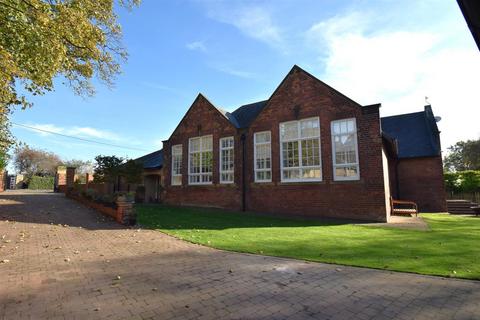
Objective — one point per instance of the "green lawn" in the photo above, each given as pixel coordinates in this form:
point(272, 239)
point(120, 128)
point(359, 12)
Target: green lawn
point(450, 248)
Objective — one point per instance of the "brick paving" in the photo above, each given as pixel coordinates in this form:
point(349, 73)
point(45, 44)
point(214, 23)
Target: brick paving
point(68, 262)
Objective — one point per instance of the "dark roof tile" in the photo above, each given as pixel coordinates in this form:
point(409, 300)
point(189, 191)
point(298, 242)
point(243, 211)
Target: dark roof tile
point(245, 114)
point(152, 160)
point(416, 133)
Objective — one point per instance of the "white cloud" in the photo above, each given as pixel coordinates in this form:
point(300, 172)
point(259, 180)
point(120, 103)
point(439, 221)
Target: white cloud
point(197, 45)
point(235, 72)
point(400, 67)
point(159, 86)
point(255, 22)
point(82, 132)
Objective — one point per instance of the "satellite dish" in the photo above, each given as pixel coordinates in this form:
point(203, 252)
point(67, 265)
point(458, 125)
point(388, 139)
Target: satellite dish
point(437, 118)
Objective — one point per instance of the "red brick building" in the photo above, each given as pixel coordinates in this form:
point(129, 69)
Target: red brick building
point(308, 150)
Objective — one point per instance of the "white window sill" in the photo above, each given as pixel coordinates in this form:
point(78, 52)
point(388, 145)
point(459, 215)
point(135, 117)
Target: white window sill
point(336, 179)
point(301, 180)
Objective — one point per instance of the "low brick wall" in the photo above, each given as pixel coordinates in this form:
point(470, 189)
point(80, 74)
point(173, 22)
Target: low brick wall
point(123, 214)
point(3, 178)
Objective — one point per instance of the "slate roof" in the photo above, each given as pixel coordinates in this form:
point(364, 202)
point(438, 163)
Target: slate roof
point(230, 117)
point(416, 133)
point(152, 160)
point(243, 116)
point(248, 112)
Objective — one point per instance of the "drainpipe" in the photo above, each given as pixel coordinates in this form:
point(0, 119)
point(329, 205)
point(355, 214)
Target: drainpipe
point(244, 161)
point(397, 191)
point(397, 160)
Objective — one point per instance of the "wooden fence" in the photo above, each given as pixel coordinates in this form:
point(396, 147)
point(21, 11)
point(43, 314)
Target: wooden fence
point(471, 196)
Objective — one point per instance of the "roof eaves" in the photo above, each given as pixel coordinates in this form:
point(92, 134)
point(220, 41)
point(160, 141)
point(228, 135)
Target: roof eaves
point(297, 68)
point(199, 96)
point(227, 115)
point(471, 12)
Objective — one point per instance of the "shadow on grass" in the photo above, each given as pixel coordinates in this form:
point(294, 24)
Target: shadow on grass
point(447, 249)
point(168, 217)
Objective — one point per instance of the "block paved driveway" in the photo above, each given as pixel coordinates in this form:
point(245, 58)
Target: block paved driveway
point(70, 272)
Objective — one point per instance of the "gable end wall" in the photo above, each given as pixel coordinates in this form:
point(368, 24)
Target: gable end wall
point(363, 199)
point(202, 115)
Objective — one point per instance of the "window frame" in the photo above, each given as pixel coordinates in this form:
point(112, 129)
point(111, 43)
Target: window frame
point(255, 170)
point(173, 165)
point(299, 139)
point(334, 156)
point(220, 171)
point(200, 163)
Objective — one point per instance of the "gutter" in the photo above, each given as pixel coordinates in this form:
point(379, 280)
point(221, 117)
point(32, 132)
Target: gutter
point(243, 138)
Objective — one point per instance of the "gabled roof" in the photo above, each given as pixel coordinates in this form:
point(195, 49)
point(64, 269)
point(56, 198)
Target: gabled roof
point(152, 160)
point(243, 116)
point(248, 112)
point(229, 116)
point(416, 133)
point(219, 110)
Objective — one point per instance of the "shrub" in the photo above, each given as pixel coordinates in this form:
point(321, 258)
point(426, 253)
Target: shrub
point(108, 199)
point(129, 196)
point(470, 181)
point(81, 179)
point(41, 183)
point(452, 181)
point(462, 181)
point(90, 194)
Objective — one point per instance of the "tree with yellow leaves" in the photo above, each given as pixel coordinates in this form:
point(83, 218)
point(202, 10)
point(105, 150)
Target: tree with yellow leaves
point(40, 40)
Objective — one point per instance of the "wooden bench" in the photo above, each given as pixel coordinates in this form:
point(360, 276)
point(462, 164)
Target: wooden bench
point(476, 210)
point(413, 209)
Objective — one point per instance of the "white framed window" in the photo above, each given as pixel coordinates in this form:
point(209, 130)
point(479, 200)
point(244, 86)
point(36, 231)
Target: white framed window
point(300, 158)
point(345, 150)
point(177, 165)
point(227, 160)
point(200, 160)
point(263, 156)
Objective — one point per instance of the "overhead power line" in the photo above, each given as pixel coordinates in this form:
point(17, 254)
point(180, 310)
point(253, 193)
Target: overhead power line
point(77, 138)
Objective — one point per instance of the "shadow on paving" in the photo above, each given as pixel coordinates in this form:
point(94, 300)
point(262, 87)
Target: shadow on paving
point(189, 284)
point(47, 207)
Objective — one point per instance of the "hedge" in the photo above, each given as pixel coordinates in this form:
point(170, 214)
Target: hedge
point(41, 183)
point(462, 181)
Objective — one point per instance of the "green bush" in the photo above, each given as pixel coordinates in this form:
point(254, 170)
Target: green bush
point(462, 181)
point(41, 183)
point(452, 181)
point(90, 194)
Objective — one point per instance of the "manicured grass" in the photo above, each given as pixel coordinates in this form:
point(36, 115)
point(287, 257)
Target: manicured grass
point(450, 248)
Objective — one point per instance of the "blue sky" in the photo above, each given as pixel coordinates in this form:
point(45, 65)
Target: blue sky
point(236, 52)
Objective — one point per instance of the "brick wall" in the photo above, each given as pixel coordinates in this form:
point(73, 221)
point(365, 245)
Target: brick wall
point(203, 119)
point(301, 96)
point(61, 180)
point(3, 178)
point(421, 180)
